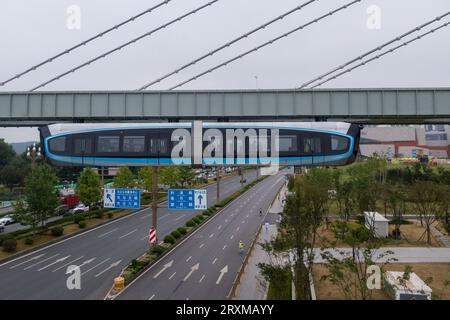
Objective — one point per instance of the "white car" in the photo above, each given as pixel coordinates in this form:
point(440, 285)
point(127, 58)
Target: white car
point(80, 208)
point(6, 220)
point(2, 226)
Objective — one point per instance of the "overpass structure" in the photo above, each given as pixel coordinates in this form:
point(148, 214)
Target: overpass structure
point(392, 105)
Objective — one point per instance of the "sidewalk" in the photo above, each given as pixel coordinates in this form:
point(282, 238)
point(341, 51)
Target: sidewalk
point(252, 285)
point(439, 236)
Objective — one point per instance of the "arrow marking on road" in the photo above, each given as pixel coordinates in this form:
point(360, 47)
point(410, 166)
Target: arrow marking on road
point(187, 260)
point(224, 247)
point(53, 263)
point(172, 275)
point(193, 268)
point(166, 266)
point(86, 262)
point(31, 259)
point(98, 264)
point(222, 272)
point(231, 238)
point(115, 264)
point(65, 265)
point(201, 246)
point(201, 279)
point(35, 264)
point(214, 261)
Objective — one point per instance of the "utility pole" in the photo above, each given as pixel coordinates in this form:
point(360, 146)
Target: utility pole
point(218, 185)
point(155, 200)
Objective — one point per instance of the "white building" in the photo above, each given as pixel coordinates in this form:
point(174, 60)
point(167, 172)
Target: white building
point(412, 288)
point(377, 223)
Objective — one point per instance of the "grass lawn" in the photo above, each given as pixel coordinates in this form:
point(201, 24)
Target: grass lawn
point(439, 272)
point(282, 290)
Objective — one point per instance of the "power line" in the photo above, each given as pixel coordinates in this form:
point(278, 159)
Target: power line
point(404, 44)
point(83, 43)
point(359, 58)
point(228, 44)
point(265, 44)
point(178, 19)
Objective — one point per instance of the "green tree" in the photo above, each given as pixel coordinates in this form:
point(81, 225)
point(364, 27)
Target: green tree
point(145, 178)
point(428, 199)
point(169, 176)
point(185, 175)
point(88, 188)
point(14, 172)
point(396, 201)
point(124, 179)
point(41, 198)
point(7, 153)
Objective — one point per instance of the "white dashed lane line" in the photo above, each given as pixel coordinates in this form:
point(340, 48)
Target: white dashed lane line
point(126, 235)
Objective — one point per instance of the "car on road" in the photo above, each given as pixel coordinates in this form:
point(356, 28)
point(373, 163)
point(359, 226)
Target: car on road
point(80, 208)
point(7, 220)
point(62, 210)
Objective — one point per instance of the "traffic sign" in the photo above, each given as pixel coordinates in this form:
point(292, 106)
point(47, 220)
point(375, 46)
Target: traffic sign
point(188, 199)
point(152, 235)
point(122, 198)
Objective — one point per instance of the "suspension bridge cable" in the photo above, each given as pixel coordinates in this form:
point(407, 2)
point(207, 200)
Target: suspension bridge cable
point(359, 58)
point(178, 19)
point(83, 43)
point(363, 63)
point(265, 44)
point(228, 44)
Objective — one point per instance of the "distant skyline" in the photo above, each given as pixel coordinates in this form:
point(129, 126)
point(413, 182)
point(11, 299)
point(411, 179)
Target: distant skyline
point(35, 30)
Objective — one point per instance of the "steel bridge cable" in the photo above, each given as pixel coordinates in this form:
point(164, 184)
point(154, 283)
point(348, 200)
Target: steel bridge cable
point(228, 44)
point(83, 43)
point(404, 44)
point(178, 19)
point(359, 58)
point(265, 44)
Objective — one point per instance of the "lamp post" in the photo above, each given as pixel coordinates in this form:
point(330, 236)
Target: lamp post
point(34, 153)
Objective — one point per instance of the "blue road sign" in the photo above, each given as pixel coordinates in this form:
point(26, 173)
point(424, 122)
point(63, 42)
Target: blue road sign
point(188, 199)
point(122, 198)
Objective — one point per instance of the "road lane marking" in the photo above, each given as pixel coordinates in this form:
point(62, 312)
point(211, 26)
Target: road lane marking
point(243, 221)
point(106, 233)
point(232, 236)
point(219, 227)
point(201, 279)
point(247, 216)
point(180, 217)
point(68, 263)
point(126, 235)
point(224, 247)
point(202, 245)
point(237, 229)
point(53, 263)
point(166, 266)
point(222, 272)
point(226, 220)
point(170, 278)
point(146, 216)
point(214, 261)
point(99, 264)
point(31, 259)
point(211, 235)
point(35, 264)
point(187, 260)
point(151, 298)
point(115, 264)
point(193, 268)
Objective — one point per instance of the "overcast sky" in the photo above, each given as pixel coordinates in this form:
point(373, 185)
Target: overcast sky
point(34, 30)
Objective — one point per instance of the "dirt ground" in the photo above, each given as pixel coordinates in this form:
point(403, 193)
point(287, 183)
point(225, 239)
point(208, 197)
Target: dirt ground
point(438, 272)
point(411, 233)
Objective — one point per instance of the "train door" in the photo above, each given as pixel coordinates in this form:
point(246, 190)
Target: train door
point(83, 147)
point(159, 149)
point(311, 149)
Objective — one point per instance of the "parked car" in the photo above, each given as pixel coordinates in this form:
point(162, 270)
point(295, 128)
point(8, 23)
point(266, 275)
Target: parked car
point(7, 220)
point(62, 209)
point(80, 208)
point(2, 227)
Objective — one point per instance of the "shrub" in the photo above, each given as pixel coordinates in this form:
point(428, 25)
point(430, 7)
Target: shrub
point(78, 218)
point(57, 231)
point(110, 215)
point(9, 245)
point(190, 223)
point(200, 217)
point(99, 214)
point(196, 220)
point(206, 213)
point(82, 224)
point(182, 230)
point(158, 250)
point(5, 237)
point(176, 234)
point(28, 241)
point(169, 239)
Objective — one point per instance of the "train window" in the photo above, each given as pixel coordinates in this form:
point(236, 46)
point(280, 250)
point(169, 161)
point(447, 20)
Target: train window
point(108, 144)
point(312, 145)
point(288, 143)
point(134, 144)
point(154, 145)
point(164, 145)
point(339, 143)
point(82, 145)
point(58, 144)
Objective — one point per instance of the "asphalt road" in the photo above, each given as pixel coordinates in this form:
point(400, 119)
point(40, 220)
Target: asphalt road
point(205, 265)
point(101, 254)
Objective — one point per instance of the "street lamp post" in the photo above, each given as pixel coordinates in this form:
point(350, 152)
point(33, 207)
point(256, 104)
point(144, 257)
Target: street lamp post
point(34, 153)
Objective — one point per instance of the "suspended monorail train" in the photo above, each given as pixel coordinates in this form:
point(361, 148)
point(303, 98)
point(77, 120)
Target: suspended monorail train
point(200, 143)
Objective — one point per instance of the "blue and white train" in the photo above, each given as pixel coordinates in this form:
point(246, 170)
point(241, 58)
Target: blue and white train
point(200, 143)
